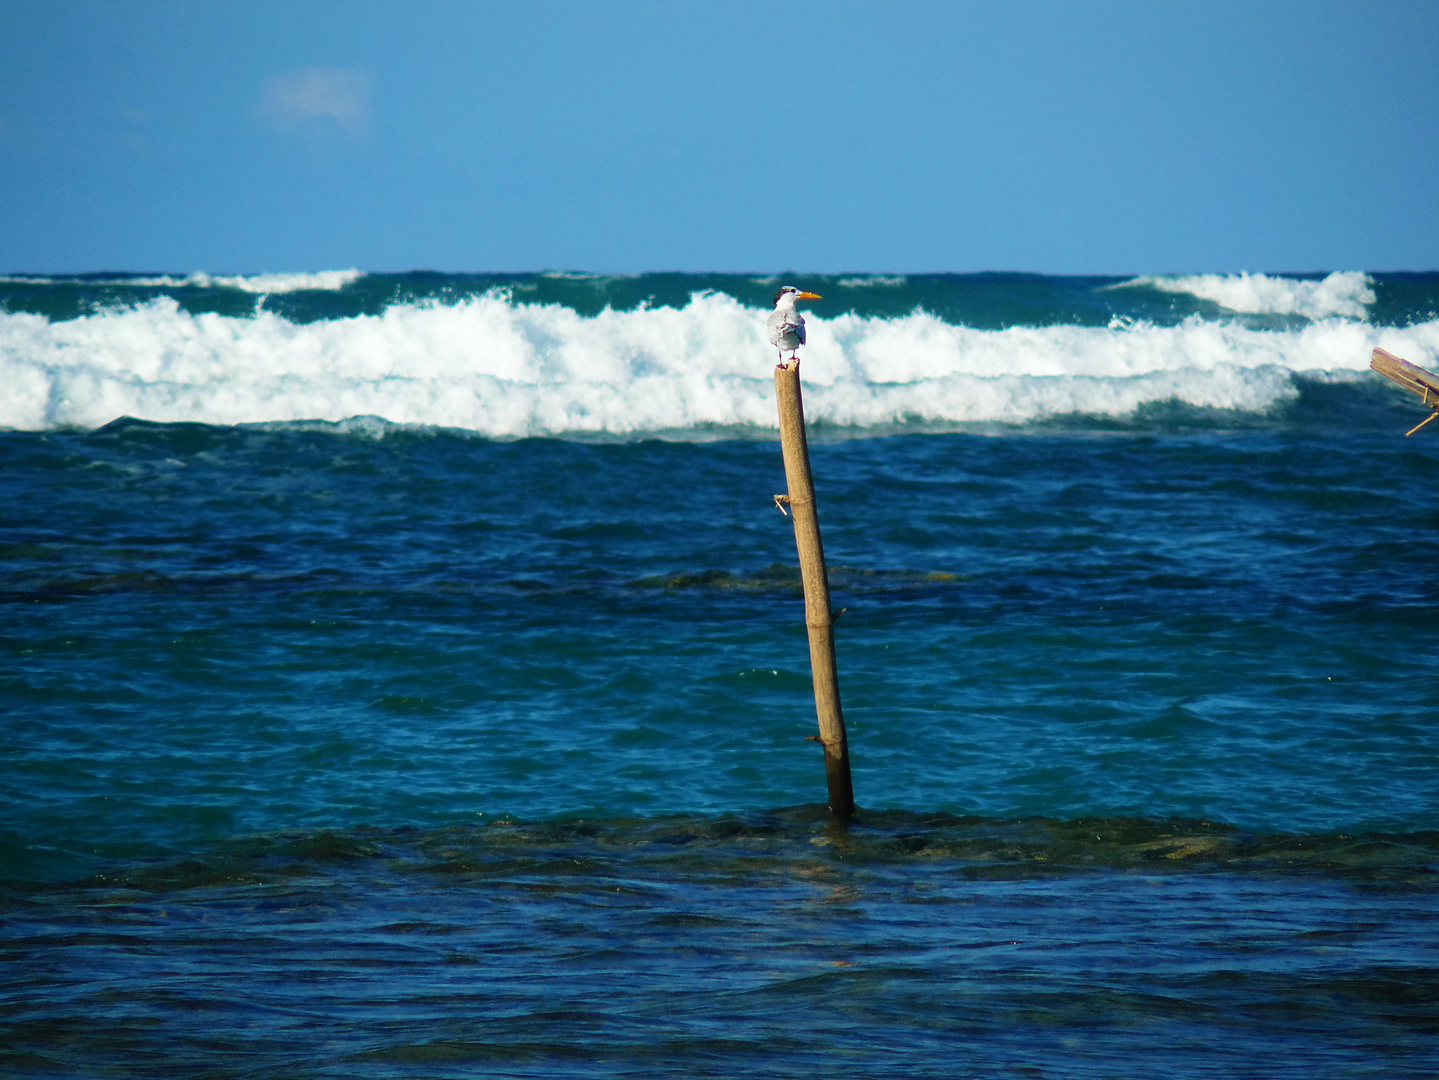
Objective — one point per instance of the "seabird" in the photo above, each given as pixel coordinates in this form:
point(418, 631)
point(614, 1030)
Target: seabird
point(786, 325)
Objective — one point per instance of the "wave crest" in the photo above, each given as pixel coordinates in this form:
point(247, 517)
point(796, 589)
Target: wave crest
point(508, 369)
point(322, 281)
point(1343, 294)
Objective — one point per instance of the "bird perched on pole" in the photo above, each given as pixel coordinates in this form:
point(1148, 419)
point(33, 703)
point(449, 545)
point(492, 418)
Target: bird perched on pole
point(786, 325)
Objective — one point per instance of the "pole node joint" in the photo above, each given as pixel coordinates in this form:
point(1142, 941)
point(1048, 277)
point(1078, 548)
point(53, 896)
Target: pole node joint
point(779, 504)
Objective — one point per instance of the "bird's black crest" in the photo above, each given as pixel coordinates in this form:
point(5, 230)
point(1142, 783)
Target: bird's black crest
point(777, 295)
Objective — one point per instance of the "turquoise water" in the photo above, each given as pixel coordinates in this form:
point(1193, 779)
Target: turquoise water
point(364, 748)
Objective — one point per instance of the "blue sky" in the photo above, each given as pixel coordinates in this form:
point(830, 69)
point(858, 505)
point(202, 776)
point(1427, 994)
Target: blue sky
point(1084, 137)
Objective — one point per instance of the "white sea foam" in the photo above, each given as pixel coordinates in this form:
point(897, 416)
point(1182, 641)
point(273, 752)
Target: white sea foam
point(505, 368)
point(325, 280)
point(883, 281)
point(1340, 295)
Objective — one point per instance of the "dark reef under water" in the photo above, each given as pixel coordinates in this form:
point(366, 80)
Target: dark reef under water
point(762, 944)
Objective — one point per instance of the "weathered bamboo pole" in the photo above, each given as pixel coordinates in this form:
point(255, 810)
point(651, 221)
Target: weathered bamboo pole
point(1413, 378)
point(818, 616)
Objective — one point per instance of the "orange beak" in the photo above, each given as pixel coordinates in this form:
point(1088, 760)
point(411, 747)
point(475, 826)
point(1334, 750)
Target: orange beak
point(809, 296)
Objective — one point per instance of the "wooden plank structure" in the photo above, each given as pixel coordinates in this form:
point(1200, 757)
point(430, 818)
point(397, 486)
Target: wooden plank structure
point(1413, 378)
point(818, 616)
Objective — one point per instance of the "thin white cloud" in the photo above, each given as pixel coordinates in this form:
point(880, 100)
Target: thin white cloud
point(295, 99)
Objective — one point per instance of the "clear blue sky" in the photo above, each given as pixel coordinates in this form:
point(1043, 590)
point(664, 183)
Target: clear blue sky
point(1081, 137)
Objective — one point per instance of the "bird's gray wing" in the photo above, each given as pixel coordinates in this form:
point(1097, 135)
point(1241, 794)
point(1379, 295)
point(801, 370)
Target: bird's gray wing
point(783, 324)
point(774, 327)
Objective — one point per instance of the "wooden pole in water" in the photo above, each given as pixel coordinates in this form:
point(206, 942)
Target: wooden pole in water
point(818, 616)
point(1413, 378)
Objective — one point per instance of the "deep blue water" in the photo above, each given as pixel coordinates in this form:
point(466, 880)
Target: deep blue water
point(363, 749)
point(279, 704)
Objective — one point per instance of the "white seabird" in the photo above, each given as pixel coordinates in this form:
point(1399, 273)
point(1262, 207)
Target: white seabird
point(786, 325)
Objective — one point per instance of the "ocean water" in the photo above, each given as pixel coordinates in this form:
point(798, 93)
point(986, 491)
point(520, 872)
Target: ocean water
point(405, 676)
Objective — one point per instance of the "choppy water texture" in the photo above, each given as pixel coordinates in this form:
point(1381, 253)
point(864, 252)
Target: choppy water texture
point(353, 748)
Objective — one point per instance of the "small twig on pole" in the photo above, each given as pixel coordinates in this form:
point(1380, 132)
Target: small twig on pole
point(818, 616)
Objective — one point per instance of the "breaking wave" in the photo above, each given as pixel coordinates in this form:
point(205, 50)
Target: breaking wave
point(323, 281)
point(508, 369)
point(1344, 295)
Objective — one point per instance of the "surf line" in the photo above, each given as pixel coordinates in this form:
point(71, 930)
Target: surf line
point(818, 615)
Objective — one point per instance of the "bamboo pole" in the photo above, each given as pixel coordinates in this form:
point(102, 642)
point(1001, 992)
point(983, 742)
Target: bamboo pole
point(1413, 378)
point(818, 616)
